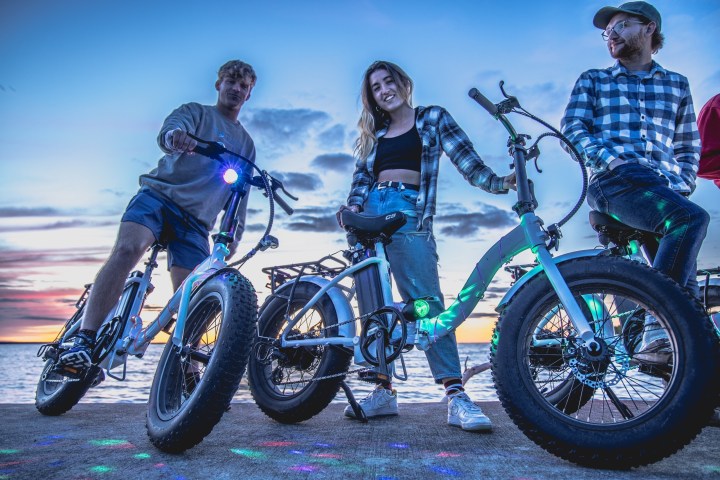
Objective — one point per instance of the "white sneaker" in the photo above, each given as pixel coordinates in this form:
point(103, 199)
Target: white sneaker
point(462, 412)
point(380, 402)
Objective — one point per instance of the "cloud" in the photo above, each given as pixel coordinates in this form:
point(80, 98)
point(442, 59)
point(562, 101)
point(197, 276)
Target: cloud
point(338, 162)
point(314, 219)
point(255, 227)
point(279, 130)
point(15, 212)
point(58, 225)
point(466, 224)
point(299, 181)
point(333, 137)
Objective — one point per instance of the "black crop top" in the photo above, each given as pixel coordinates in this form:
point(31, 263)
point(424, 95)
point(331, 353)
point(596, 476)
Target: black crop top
point(403, 152)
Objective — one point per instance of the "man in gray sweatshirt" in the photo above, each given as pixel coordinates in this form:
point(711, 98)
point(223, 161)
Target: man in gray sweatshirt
point(178, 201)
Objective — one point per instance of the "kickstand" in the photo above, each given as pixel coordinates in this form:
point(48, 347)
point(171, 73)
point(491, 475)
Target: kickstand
point(359, 413)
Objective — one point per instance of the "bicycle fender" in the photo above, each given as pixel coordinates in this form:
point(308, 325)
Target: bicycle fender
point(557, 260)
point(340, 302)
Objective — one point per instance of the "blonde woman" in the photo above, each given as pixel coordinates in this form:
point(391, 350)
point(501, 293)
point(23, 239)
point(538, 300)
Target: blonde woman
point(398, 156)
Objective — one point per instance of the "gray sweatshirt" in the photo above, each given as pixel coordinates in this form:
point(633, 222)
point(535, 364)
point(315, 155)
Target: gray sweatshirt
point(195, 182)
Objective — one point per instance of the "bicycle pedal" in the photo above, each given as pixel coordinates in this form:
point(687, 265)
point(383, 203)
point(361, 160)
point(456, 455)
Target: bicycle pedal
point(98, 379)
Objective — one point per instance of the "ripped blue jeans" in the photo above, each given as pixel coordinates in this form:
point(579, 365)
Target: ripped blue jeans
point(413, 262)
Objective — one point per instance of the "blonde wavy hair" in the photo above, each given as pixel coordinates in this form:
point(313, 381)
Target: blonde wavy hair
point(373, 117)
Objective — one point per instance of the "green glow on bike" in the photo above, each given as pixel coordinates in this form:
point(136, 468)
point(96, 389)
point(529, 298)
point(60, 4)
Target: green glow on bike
point(243, 452)
point(595, 306)
point(421, 307)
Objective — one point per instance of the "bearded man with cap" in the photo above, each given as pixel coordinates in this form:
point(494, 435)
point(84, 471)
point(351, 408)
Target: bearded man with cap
point(634, 123)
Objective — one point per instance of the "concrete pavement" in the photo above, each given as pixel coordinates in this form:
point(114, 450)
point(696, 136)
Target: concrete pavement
point(108, 441)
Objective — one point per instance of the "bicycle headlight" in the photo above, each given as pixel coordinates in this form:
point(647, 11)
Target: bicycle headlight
point(230, 176)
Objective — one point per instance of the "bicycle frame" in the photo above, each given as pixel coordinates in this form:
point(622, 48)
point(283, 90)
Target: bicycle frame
point(529, 234)
point(135, 338)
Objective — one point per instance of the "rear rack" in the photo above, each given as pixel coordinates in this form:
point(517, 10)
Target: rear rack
point(328, 266)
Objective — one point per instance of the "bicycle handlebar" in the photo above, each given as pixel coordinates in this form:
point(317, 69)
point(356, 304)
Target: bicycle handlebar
point(511, 105)
point(215, 149)
point(483, 101)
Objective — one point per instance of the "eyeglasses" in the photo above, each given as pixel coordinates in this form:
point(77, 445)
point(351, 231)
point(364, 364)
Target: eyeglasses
point(618, 28)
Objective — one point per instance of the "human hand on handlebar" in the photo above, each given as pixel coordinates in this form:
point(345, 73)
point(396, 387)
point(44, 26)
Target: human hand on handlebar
point(338, 216)
point(177, 140)
point(509, 181)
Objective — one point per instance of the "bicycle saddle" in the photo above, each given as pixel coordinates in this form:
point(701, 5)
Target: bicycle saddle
point(367, 227)
point(609, 228)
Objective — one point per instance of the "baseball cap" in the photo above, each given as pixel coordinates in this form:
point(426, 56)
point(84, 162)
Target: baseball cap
point(643, 9)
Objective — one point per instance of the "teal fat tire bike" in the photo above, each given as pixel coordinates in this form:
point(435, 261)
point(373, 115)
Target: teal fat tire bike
point(561, 365)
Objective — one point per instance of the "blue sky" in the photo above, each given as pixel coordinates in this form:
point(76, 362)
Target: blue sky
point(85, 86)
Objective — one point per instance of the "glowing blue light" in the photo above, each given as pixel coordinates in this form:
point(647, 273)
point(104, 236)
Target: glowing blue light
point(230, 175)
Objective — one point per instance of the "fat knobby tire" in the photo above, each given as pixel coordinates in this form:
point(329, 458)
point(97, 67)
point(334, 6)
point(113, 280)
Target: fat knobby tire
point(661, 431)
point(316, 395)
point(178, 431)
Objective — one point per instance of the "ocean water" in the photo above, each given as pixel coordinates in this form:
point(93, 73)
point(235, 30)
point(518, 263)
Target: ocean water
point(21, 371)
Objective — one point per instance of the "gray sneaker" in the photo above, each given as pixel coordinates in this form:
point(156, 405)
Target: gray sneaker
point(657, 352)
point(655, 347)
point(380, 402)
point(462, 412)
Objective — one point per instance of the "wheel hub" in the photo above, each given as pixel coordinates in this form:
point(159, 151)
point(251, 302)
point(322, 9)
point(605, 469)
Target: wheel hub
point(590, 366)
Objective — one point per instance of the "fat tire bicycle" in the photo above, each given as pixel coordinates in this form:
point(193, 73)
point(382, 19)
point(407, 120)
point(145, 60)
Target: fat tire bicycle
point(560, 367)
point(210, 318)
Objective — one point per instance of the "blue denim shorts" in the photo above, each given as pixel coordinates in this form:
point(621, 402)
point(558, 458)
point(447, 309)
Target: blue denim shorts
point(186, 238)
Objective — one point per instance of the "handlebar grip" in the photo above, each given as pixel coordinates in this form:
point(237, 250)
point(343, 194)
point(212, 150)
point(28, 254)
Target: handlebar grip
point(475, 94)
point(279, 200)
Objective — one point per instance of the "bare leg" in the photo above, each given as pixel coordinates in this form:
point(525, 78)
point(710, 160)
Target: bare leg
point(132, 241)
point(177, 275)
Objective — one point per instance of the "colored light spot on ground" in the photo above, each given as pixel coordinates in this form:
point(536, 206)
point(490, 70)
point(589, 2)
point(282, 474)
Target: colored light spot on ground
point(159, 465)
point(101, 469)
point(108, 442)
point(711, 468)
point(304, 468)
point(323, 445)
point(141, 456)
point(9, 451)
point(247, 453)
point(445, 471)
point(398, 445)
point(386, 478)
point(276, 444)
point(327, 455)
point(448, 455)
point(297, 452)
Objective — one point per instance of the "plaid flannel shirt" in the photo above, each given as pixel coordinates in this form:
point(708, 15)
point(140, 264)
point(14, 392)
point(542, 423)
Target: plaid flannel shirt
point(438, 133)
point(646, 118)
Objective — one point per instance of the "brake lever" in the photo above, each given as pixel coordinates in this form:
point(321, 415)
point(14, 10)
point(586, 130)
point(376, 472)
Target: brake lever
point(277, 184)
point(507, 106)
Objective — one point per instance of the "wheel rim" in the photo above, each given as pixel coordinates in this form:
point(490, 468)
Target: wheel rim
point(608, 387)
point(51, 381)
point(184, 369)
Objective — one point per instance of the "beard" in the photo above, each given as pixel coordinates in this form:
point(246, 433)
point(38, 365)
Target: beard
point(631, 48)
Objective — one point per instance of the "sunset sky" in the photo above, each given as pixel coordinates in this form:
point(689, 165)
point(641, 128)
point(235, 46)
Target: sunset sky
point(86, 85)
